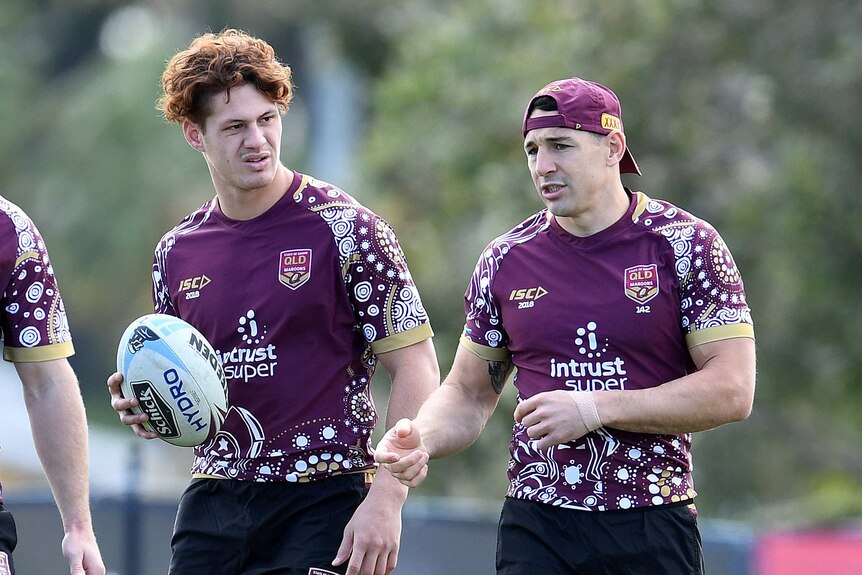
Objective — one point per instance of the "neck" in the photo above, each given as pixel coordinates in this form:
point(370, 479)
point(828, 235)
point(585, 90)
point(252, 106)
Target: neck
point(247, 204)
point(587, 222)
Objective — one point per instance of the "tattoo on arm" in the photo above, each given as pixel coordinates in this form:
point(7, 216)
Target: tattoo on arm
point(499, 372)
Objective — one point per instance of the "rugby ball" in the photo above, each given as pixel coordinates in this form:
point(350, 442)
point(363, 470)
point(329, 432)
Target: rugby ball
point(176, 376)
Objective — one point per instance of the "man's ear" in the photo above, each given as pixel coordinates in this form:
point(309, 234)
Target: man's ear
point(616, 147)
point(193, 133)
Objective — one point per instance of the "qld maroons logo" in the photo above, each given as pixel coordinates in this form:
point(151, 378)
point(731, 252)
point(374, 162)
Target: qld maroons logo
point(641, 282)
point(294, 267)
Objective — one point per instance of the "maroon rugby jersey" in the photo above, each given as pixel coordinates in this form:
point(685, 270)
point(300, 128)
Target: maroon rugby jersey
point(297, 302)
point(32, 317)
point(615, 310)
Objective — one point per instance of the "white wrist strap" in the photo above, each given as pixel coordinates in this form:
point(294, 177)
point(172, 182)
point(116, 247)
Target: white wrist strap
point(587, 408)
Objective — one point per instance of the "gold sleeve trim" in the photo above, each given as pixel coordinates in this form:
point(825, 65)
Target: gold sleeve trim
point(41, 353)
point(485, 352)
point(642, 200)
point(304, 181)
point(26, 256)
point(403, 339)
point(719, 333)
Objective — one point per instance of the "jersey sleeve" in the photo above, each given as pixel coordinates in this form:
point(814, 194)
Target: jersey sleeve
point(381, 288)
point(161, 294)
point(712, 295)
point(33, 318)
point(483, 330)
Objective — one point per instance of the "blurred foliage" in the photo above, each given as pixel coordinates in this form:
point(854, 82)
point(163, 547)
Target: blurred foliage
point(744, 112)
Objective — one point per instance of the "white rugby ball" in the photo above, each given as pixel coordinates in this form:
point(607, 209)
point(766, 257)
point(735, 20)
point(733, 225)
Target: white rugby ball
point(176, 376)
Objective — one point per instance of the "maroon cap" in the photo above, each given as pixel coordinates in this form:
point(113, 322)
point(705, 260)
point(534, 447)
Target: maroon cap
point(582, 105)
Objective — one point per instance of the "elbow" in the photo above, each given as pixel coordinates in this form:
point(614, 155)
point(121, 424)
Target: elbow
point(741, 403)
point(741, 411)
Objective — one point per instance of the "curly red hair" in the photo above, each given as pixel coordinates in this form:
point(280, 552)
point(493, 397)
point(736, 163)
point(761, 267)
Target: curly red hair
point(214, 63)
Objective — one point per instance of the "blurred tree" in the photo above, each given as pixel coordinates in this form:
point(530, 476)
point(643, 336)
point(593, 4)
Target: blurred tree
point(87, 176)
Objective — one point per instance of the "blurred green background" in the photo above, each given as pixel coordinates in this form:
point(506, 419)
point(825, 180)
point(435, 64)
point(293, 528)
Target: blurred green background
point(744, 112)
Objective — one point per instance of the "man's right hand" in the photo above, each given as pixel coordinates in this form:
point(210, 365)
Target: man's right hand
point(403, 454)
point(124, 407)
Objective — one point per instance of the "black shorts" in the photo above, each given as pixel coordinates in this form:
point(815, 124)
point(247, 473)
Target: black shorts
point(537, 539)
point(244, 528)
point(8, 542)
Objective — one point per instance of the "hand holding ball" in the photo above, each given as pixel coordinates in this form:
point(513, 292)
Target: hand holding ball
point(176, 376)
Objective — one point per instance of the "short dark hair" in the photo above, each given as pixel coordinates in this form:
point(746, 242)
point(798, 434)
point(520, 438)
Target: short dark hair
point(548, 104)
point(544, 103)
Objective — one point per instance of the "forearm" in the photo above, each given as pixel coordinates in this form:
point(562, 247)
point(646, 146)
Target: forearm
point(415, 375)
point(720, 392)
point(668, 408)
point(452, 419)
point(403, 402)
point(59, 428)
point(456, 413)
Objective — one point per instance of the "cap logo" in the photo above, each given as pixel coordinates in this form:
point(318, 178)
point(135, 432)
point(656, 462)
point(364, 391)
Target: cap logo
point(611, 122)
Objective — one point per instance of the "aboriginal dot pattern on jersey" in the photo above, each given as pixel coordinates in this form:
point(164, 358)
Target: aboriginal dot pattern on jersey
point(35, 315)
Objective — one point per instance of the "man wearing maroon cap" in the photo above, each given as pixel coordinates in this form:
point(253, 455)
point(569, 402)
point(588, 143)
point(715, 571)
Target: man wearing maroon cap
point(626, 323)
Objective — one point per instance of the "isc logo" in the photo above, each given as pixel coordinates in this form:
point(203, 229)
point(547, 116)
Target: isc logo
point(197, 282)
point(527, 297)
point(193, 286)
point(531, 294)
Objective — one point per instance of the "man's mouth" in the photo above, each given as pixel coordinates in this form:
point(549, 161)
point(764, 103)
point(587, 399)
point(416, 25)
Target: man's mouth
point(256, 159)
point(551, 189)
